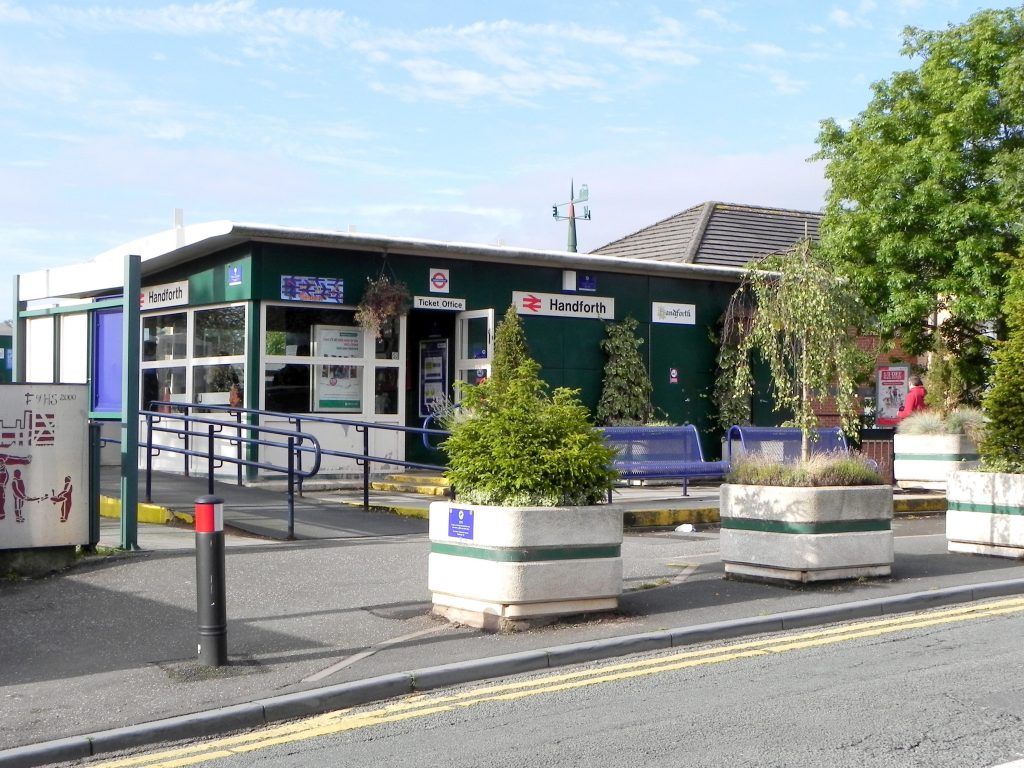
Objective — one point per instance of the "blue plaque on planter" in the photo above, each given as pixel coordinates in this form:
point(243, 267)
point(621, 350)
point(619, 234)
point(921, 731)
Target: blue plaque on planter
point(460, 523)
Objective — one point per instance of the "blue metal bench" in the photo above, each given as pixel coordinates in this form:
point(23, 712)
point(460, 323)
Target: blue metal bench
point(652, 453)
point(782, 443)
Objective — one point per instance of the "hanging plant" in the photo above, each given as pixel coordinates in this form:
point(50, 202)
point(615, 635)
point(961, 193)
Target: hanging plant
point(383, 300)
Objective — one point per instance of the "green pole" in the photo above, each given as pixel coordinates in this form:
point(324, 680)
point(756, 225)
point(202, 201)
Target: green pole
point(130, 403)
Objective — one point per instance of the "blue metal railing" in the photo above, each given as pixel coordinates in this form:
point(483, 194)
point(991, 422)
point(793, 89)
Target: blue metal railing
point(188, 427)
point(251, 418)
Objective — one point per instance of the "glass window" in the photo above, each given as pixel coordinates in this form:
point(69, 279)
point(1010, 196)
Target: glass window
point(219, 332)
point(287, 387)
point(74, 348)
point(218, 384)
point(164, 337)
point(387, 342)
point(39, 339)
point(289, 330)
point(385, 391)
point(166, 384)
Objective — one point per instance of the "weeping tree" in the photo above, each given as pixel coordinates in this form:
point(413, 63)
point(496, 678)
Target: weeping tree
point(800, 318)
point(626, 390)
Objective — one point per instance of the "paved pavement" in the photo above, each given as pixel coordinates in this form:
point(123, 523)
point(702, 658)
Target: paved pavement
point(102, 656)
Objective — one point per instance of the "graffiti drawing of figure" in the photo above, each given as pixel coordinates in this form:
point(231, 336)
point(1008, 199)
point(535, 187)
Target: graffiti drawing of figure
point(5, 460)
point(18, 489)
point(64, 499)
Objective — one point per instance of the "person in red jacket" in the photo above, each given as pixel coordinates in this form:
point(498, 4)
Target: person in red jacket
point(915, 398)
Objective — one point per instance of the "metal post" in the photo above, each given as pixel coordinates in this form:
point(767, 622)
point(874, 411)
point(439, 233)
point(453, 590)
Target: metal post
point(130, 331)
point(298, 428)
point(366, 468)
point(238, 452)
point(291, 487)
point(149, 458)
point(209, 466)
point(211, 603)
point(94, 484)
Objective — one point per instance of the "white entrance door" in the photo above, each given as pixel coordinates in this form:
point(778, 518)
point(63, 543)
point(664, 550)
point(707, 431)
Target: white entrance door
point(474, 345)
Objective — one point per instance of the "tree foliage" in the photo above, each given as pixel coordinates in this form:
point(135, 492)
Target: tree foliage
point(1002, 447)
point(510, 348)
point(626, 390)
point(519, 445)
point(800, 317)
point(927, 184)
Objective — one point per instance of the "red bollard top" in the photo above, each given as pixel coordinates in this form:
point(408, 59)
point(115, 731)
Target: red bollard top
point(209, 514)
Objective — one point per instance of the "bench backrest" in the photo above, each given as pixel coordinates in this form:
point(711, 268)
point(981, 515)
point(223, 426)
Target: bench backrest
point(782, 443)
point(638, 444)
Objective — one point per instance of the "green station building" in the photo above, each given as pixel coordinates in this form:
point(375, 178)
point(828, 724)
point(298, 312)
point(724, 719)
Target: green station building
point(265, 317)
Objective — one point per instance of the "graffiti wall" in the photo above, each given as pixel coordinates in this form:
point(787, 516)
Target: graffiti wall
point(44, 465)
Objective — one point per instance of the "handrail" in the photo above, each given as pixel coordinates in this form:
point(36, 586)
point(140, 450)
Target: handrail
point(241, 435)
point(364, 458)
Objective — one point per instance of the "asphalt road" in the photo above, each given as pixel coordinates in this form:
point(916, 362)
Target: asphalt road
point(937, 688)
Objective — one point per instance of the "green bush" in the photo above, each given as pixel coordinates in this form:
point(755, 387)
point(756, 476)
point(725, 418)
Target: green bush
point(626, 390)
point(824, 469)
point(517, 445)
point(1002, 447)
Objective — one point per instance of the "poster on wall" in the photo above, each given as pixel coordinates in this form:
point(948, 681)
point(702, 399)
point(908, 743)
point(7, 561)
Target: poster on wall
point(892, 384)
point(44, 465)
point(433, 374)
point(338, 387)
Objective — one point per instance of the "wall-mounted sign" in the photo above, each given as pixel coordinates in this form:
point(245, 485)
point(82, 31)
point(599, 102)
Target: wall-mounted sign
point(337, 341)
point(559, 305)
point(673, 375)
point(677, 314)
point(165, 295)
point(892, 381)
point(234, 274)
point(578, 281)
point(329, 290)
point(433, 374)
point(460, 523)
point(438, 302)
point(44, 465)
point(439, 280)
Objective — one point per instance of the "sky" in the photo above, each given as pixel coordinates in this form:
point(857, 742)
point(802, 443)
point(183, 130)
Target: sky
point(457, 121)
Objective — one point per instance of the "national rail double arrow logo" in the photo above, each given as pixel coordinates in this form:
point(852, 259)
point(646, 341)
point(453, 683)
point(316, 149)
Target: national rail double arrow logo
point(531, 303)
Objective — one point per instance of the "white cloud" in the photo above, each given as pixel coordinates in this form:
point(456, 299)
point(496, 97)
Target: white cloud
point(766, 49)
point(710, 14)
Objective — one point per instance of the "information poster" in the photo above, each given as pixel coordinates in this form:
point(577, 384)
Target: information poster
point(337, 387)
point(892, 383)
point(433, 374)
point(44, 465)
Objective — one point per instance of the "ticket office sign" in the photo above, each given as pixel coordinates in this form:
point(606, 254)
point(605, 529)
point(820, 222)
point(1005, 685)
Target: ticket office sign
point(44, 465)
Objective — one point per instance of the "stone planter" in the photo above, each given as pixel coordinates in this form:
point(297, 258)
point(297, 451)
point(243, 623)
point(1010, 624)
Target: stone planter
point(774, 533)
point(491, 565)
point(985, 513)
point(926, 461)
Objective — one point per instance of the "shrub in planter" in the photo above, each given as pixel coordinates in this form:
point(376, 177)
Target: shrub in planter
point(526, 538)
point(823, 518)
point(929, 445)
point(985, 512)
point(518, 445)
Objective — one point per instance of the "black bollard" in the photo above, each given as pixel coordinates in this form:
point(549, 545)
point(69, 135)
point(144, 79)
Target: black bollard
point(210, 592)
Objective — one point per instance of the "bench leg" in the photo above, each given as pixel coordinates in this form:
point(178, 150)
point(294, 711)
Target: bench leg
point(610, 495)
point(686, 487)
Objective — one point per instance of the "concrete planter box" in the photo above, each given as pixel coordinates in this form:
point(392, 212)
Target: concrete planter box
point(985, 514)
point(491, 565)
point(774, 533)
point(926, 461)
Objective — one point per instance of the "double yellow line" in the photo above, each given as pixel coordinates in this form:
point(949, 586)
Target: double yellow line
point(423, 705)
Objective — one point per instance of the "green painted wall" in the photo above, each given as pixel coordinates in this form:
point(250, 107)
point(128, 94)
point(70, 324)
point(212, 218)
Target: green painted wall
point(568, 350)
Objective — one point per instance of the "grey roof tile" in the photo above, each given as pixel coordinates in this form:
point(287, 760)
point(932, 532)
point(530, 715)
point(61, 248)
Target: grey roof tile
point(717, 234)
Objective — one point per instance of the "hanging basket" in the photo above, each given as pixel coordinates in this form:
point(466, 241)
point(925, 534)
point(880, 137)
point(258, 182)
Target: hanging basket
point(383, 299)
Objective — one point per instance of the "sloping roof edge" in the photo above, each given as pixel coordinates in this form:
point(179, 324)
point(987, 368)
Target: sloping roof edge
point(165, 249)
